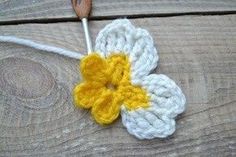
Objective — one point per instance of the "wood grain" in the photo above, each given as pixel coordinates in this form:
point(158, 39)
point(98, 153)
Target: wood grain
point(12, 10)
point(37, 117)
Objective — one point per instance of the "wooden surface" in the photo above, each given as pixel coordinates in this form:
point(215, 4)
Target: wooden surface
point(37, 116)
point(13, 10)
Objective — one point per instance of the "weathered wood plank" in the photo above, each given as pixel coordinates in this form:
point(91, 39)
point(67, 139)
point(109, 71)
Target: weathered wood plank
point(11, 10)
point(37, 116)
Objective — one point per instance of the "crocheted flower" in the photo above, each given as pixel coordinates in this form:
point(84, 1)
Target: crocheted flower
point(118, 78)
point(107, 86)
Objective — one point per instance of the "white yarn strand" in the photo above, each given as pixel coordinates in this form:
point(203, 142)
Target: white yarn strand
point(45, 48)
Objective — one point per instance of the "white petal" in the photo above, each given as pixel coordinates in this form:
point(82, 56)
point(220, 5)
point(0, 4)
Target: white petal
point(122, 36)
point(166, 102)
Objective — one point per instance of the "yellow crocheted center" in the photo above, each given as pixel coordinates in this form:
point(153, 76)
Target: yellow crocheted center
point(107, 86)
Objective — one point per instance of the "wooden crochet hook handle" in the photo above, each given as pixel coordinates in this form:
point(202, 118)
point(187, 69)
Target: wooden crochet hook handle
point(82, 10)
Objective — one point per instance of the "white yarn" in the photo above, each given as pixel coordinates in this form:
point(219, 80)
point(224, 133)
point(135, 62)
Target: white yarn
point(122, 36)
point(166, 102)
point(45, 48)
point(166, 98)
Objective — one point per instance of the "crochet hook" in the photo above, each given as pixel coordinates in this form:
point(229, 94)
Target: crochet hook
point(82, 10)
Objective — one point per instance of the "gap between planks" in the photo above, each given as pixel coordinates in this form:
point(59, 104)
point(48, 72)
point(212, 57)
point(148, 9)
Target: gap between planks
point(12, 10)
point(112, 17)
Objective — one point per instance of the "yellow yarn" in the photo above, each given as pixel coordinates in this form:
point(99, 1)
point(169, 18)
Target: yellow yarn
point(107, 86)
